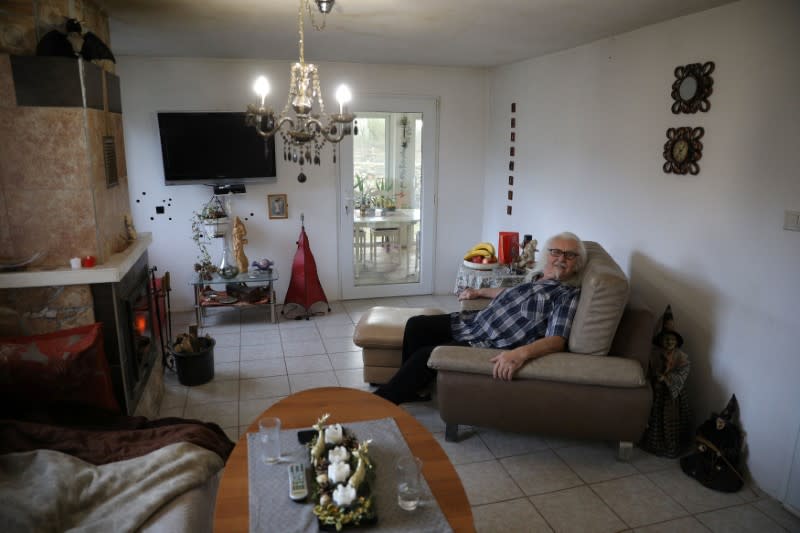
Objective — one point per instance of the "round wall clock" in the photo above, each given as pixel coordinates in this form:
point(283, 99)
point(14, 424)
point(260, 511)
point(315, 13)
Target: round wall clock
point(683, 150)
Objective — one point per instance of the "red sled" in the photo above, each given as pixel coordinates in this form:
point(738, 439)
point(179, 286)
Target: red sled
point(305, 289)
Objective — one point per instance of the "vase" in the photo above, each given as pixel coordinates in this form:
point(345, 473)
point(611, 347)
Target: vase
point(227, 266)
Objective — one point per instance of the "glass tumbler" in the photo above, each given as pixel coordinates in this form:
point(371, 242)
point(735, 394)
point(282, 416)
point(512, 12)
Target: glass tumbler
point(269, 432)
point(408, 470)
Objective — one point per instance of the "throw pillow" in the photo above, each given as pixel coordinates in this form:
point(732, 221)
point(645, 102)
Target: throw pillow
point(67, 366)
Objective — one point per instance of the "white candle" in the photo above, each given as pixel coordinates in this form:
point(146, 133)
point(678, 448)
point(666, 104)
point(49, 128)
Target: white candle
point(333, 434)
point(338, 472)
point(338, 454)
point(344, 495)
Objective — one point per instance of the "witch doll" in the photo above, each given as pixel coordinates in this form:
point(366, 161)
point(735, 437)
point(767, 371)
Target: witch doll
point(668, 430)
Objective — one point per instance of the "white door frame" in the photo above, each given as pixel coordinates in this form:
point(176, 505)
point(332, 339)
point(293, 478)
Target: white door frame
point(429, 107)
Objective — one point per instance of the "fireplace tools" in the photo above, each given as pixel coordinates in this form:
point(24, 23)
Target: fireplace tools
point(160, 291)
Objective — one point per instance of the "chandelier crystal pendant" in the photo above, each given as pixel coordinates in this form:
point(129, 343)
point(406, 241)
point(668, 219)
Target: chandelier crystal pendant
point(303, 129)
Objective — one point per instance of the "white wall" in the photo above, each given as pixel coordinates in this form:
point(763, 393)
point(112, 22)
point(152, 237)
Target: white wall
point(153, 85)
point(591, 126)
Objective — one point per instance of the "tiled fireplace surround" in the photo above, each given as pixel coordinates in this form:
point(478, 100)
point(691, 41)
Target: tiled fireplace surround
point(55, 196)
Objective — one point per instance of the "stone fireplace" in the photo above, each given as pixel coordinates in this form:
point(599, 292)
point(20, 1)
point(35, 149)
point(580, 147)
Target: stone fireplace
point(64, 193)
point(119, 297)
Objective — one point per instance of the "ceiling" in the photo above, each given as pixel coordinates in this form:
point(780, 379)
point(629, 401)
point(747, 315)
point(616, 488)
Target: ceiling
point(466, 33)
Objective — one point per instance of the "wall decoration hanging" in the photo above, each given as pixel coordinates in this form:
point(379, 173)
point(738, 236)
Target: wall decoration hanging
point(692, 87)
point(277, 206)
point(683, 150)
point(511, 155)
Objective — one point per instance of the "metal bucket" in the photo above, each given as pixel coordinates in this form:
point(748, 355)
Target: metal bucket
point(193, 368)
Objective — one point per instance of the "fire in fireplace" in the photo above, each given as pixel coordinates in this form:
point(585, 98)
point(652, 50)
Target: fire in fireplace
point(126, 310)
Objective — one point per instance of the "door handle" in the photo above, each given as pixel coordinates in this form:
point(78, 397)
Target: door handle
point(346, 209)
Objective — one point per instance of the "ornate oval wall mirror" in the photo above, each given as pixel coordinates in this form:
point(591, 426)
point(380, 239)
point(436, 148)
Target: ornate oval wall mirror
point(692, 87)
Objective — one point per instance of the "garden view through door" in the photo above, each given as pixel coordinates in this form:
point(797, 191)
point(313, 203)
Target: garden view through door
point(388, 201)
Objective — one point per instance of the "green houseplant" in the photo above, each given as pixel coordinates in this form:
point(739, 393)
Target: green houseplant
point(203, 267)
point(361, 196)
point(384, 198)
point(214, 218)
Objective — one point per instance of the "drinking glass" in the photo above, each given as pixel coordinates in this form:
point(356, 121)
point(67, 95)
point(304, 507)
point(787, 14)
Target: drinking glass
point(269, 432)
point(408, 470)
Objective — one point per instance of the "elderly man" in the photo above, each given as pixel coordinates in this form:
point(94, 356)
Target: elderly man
point(527, 321)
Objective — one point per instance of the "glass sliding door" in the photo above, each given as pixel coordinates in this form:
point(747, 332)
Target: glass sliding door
point(387, 184)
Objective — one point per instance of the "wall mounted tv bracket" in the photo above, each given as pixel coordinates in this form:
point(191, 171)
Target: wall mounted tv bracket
point(236, 188)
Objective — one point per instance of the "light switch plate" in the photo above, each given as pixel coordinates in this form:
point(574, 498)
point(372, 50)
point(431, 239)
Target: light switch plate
point(791, 220)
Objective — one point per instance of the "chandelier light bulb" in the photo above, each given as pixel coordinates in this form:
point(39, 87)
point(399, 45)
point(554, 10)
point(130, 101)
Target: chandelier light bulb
point(325, 6)
point(343, 96)
point(261, 87)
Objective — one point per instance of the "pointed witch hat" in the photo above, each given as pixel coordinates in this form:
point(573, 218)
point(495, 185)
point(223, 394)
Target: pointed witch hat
point(667, 327)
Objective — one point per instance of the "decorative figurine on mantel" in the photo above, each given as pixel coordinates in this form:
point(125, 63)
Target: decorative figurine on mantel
point(239, 240)
point(130, 230)
point(669, 429)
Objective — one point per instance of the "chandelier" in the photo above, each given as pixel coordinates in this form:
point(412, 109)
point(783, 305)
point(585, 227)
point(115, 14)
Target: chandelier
point(303, 129)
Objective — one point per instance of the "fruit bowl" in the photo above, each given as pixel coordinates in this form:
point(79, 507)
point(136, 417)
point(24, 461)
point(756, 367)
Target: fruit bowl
point(481, 266)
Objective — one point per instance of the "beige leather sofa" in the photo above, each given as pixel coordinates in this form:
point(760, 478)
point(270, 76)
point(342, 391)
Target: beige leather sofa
point(598, 390)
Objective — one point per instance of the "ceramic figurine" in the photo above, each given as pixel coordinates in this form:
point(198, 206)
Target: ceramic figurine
point(263, 264)
point(239, 240)
point(130, 231)
point(528, 256)
point(668, 430)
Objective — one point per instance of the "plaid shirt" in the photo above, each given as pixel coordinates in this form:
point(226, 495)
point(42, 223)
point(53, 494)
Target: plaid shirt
point(519, 316)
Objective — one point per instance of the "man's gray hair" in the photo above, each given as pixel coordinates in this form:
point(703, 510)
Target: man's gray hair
point(569, 236)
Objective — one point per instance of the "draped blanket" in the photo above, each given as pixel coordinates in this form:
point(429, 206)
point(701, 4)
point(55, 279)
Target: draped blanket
point(45, 490)
point(100, 441)
point(85, 470)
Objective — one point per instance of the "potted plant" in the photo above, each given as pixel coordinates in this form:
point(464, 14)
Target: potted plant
point(361, 200)
point(214, 218)
point(204, 268)
point(384, 188)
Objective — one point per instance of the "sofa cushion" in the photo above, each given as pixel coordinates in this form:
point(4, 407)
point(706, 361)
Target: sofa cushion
point(382, 327)
point(560, 367)
point(604, 292)
point(67, 366)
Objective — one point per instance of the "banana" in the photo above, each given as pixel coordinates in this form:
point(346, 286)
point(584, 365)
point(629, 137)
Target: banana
point(485, 246)
point(481, 252)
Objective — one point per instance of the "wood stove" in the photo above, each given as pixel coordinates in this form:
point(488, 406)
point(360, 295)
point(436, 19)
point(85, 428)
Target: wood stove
point(126, 310)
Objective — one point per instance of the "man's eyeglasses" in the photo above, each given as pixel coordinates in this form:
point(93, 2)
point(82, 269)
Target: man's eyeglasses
point(569, 254)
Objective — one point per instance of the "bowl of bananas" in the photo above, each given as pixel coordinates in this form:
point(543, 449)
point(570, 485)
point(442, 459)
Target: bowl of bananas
point(481, 257)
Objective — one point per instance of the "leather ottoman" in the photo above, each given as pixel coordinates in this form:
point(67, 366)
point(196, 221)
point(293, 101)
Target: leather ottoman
point(379, 333)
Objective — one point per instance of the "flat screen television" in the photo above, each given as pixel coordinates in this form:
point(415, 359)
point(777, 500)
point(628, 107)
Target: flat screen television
point(215, 149)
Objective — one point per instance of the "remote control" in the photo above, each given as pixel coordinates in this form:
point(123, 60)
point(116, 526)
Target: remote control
point(298, 488)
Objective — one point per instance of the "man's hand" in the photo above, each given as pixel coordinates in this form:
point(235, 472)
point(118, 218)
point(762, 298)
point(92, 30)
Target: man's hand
point(469, 294)
point(485, 292)
point(507, 363)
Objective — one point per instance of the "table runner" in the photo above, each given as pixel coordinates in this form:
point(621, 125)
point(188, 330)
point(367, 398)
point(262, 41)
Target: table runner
point(271, 509)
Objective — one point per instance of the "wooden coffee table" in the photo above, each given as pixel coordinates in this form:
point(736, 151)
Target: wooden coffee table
point(301, 410)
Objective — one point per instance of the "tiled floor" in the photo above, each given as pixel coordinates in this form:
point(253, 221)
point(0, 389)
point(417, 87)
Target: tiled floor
point(514, 482)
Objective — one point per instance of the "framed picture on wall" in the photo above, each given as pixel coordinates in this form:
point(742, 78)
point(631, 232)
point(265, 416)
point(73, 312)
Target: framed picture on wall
point(277, 206)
